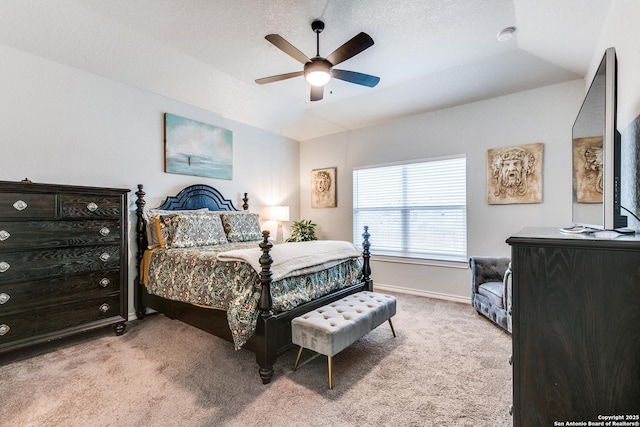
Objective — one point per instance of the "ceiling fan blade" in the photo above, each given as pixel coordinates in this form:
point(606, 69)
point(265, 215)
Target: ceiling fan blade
point(357, 78)
point(279, 77)
point(351, 48)
point(317, 93)
point(287, 48)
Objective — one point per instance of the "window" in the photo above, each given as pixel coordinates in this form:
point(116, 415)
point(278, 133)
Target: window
point(413, 210)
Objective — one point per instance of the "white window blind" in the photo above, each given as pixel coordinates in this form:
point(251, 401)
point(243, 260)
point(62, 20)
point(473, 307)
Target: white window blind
point(414, 210)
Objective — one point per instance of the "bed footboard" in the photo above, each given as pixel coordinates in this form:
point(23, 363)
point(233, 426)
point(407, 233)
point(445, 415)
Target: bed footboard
point(273, 331)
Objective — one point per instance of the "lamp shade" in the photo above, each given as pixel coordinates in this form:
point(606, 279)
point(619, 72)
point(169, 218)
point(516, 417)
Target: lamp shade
point(279, 213)
point(317, 72)
point(318, 78)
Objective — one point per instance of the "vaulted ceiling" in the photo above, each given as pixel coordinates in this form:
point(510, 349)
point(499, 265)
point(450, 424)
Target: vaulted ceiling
point(429, 54)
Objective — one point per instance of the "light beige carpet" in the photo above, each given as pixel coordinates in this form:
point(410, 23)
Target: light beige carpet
point(448, 366)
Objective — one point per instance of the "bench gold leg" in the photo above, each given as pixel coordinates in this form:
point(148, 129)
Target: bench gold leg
point(392, 330)
point(329, 363)
point(295, 365)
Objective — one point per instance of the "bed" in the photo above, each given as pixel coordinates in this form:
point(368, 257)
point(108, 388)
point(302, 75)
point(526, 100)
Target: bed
point(184, 280)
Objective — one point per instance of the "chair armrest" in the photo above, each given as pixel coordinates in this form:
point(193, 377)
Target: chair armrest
point(507, 298)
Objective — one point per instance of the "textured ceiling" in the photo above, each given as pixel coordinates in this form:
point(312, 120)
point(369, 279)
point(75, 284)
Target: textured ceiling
point(429, 54)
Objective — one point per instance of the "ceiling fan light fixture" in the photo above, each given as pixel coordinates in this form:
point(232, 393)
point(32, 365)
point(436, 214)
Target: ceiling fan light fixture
point(317, 72)
point(318, 78)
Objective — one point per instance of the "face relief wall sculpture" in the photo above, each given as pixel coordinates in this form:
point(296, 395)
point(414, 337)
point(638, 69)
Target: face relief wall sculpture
point(514, 174)
point(323, 188)
point(587, 169)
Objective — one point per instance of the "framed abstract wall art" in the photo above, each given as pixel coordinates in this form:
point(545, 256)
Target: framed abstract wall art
point(514, 174)
point(195, 148)
point(323, 188)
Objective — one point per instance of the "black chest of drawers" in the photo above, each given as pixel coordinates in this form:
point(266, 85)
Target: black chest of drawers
point(576, 328)
point(63, 261)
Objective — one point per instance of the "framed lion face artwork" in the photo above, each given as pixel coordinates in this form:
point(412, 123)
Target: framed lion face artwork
point(323, 188)
point(514, 174)
point(588, 169)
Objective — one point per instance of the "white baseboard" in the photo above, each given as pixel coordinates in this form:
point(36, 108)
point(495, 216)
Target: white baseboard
point(399, 289)
point(428, 294)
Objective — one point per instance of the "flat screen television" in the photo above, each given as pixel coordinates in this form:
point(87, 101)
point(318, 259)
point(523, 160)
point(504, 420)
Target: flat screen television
point(596, 155)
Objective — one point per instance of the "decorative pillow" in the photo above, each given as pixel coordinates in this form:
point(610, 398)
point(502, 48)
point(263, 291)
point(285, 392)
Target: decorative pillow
point(166, 226)
point(198, 230)
point(241, 227)
point(150, 216)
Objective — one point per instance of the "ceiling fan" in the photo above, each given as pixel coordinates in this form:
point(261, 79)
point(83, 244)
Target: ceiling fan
point(318, 70)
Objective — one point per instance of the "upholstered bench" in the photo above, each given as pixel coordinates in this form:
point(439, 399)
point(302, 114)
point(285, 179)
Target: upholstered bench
point(330, 329)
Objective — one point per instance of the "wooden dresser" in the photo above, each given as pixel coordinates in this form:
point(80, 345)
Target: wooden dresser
point(576, 328)
point(63, 261)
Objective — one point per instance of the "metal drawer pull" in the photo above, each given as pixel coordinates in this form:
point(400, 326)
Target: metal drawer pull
point(92, 206)
point(4, 235)
point(4, 329)
point(104, 231)
point(104, 307)
point(104, 282)
point(4, 298)
point(20, 205)
point(105, 256)
point(4, 266)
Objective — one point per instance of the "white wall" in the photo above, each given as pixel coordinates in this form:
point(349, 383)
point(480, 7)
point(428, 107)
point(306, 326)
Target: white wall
point(621, 30)
point(62, 125)
point(542, 115)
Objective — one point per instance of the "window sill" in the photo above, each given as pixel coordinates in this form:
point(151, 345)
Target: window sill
point(420, 261)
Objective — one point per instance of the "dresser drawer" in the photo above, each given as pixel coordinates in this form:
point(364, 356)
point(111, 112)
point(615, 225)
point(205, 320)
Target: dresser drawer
point(43, 321)
point(57, 262)
point(37, 293)
point(50, 234)
point(27, 205)
point(87, 206)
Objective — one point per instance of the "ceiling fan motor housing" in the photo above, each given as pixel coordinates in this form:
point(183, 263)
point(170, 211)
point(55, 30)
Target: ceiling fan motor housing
point(317, 26)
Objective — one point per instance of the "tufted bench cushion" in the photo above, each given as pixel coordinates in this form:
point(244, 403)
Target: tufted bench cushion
point(330, 329)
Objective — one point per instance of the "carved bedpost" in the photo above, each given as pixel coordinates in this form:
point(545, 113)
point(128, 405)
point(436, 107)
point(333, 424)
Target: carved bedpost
point(266, 353)
point(245, 202)
point(366, 255)
point(140, 240)
point(265, 275)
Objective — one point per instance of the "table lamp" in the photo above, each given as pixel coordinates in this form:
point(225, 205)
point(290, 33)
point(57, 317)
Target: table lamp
point(279, 213)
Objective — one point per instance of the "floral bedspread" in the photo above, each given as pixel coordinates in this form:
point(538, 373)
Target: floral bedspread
point(193, 275)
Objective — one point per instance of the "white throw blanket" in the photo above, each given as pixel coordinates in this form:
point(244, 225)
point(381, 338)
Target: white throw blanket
point(290, 258)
